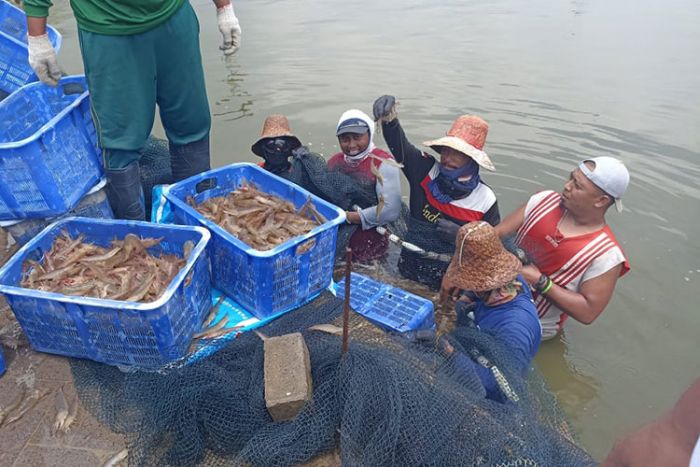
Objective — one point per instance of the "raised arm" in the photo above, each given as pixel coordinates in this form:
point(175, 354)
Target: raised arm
point(414, 162)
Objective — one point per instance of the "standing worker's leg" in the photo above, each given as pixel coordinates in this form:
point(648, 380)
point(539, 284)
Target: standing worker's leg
point(121, 73)
point(181, 94)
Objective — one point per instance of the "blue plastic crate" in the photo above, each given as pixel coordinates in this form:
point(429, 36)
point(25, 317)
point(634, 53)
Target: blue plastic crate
point(388, 307)
point(264, 282)
point(94, 205)
point(15, 71)
point(49, 156)
point(143, 335)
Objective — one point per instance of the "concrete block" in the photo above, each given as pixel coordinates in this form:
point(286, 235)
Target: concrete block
point(288, 384)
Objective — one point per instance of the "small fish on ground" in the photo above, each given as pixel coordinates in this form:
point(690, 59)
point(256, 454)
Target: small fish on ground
point(262, 336)
point(214, 311)
point(5, 411)
point(72, 415)
point(28, 404)
point(327, 328)
point(61, 410)
point(222, 322)
point(117, 458)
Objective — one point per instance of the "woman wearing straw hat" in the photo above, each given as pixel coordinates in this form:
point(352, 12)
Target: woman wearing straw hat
point(371, 167)
point(444, 194)
point(485, 273)
point(275, 145)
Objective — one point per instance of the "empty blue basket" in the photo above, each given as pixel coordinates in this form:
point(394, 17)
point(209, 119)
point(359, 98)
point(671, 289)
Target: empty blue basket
point(388, 307)
point(143, 335)
point(15, 71)
point(263, 282)
point(49, 157)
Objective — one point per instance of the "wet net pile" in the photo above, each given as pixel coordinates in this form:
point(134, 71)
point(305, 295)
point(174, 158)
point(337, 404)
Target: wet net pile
point(388, 401)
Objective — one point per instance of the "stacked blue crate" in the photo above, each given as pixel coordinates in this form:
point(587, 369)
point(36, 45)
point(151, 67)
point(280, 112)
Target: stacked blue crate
point(49, 156)
point(15, 71)
point(94, 204)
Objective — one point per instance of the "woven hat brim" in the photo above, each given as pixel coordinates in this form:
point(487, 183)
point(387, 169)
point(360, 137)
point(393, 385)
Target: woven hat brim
point(504, 268)
point(462, 146)
point(257, 149)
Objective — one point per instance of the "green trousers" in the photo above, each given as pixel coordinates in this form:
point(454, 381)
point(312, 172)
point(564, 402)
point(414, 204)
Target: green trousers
point(128, 75)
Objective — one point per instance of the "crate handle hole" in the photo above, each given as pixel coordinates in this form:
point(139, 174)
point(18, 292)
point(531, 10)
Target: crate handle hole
point(206, 184)
point(73, 88)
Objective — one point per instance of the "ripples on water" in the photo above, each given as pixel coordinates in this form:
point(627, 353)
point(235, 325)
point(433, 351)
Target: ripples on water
point(558, 82)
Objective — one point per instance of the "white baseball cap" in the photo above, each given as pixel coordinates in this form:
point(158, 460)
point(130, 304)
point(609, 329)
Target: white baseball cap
point(608, 174)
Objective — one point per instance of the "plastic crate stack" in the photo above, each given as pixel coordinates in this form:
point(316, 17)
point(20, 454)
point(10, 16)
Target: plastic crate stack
point(49, 159)
point(271, 282)
point(388, 307)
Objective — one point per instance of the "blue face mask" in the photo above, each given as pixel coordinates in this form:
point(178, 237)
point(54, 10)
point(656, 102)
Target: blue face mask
point(447, 186)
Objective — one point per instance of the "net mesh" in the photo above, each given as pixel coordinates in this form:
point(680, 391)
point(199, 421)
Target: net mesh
point(388, 401)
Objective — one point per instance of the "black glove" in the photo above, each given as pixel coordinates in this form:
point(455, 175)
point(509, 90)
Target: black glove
point(510, 245)
point(383, 107)
point(447, 229)
point(300, 152)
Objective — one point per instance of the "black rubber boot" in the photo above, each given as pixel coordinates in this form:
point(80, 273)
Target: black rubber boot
point(189, 159)
point(125, 193)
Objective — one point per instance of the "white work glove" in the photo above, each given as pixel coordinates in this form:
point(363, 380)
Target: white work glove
point(230, 29)
point(42, 59)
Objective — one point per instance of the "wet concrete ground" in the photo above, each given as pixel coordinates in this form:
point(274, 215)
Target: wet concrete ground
point(29, 441)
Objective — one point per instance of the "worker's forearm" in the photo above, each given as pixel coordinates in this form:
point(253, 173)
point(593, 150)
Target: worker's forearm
point(36, 26)
point(573, 304)
point(511, 223)
point(221, 3)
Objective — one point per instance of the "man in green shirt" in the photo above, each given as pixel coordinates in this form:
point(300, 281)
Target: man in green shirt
point(136, 54)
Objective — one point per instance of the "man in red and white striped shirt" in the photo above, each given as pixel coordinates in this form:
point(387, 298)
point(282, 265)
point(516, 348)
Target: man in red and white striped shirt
point(576, 259)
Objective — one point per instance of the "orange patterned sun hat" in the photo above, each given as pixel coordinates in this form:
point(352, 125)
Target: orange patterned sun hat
point(468, 136)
